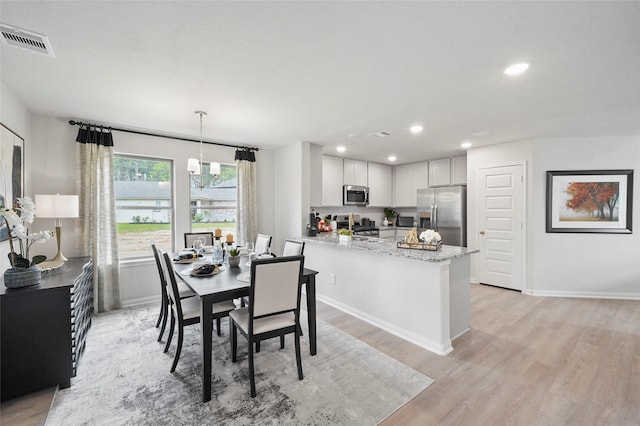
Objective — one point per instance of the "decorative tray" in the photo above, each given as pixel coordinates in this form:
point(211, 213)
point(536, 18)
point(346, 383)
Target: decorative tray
point(420, 246)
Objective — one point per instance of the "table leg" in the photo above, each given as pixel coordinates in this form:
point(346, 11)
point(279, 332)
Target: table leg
point(206, 325)
point(311, 313)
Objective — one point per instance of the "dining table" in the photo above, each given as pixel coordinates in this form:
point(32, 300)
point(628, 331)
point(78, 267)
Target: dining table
point(225, 286)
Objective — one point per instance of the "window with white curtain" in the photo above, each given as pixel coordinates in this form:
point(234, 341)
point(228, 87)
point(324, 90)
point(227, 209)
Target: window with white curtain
point(214, 206)
point(144, 204)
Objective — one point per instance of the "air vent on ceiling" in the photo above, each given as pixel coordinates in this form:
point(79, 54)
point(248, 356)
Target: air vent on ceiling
point(29, 40)
point(380, 134)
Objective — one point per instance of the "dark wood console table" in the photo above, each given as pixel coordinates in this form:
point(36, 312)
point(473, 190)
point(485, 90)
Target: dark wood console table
point(43, 329)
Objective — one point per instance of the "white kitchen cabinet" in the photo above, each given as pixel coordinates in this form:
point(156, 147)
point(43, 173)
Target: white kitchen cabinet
point(440, 172)
point(380, 179)
point(387, 233)
point(408, 178)
point(354, 172)
point(459, 170)
point(402, 232)
point(331, 181)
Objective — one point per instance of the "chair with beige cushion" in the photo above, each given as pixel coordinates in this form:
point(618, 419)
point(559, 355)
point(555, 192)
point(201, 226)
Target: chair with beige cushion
point(274, 308)
point(190, 236)
point(183, 290)
point(263, 242)
point(186, 311)
point(293, 248)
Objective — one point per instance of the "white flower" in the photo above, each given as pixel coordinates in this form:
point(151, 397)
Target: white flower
point(27, 209)
point(11, 217)
point(15, 224)
point(430, 236)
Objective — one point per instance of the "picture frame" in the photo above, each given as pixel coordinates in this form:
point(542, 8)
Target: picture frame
point(590, 201)
point(11, 172)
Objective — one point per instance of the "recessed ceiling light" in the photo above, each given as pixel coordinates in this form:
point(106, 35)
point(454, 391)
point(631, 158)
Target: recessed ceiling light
point(392, 158)
point(341, 148)
point(466, 144)
point(516, 69)
point(416, 129)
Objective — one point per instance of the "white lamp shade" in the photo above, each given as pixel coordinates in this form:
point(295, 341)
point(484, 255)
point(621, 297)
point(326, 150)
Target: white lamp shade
point(57, 206)
point(193, 166)
point(214, 168)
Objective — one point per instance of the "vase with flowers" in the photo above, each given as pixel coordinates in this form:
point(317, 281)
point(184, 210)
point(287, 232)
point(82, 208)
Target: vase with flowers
point(23, 272)
point(432, 239)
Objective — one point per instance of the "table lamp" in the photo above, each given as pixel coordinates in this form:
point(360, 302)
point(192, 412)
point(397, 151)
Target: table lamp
point(57, 207)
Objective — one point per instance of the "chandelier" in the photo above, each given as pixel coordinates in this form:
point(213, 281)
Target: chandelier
point(195, 167)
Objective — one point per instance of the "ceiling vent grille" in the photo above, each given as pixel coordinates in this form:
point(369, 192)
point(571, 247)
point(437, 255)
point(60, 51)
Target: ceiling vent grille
point(29, 40)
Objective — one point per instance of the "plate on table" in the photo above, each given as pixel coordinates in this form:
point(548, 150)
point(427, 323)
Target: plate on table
point(193, 271)
point(191, 260)
point(244, 277)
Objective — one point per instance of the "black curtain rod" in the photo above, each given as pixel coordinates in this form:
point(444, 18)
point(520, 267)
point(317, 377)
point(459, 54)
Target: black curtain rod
point(160, 135)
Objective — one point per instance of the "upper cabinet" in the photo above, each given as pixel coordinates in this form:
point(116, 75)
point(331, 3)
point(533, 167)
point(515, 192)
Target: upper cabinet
point(440, 172)
point(354, 172)
point(459, 170)
point(448, 171)
point(380, 180)
point(331, 181)
point(408, 178)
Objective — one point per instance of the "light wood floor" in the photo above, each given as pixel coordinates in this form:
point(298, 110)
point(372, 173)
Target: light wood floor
point(526, 361)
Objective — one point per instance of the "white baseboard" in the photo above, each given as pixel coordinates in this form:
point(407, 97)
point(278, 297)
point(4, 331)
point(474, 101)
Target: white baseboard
point(141, 301)
point(583, 294)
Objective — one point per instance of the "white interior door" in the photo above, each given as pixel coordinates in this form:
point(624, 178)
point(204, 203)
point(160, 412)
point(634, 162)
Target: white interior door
point(501, 223)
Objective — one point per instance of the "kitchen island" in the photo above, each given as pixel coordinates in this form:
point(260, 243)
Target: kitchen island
point(422, 296)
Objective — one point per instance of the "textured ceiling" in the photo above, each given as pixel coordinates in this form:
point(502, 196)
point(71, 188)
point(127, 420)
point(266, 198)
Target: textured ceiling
point(273, 73)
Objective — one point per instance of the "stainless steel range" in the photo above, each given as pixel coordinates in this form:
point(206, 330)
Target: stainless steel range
point(357, 227)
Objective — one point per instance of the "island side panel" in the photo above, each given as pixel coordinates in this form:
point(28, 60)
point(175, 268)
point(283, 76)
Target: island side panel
point(460, 295)
point(409, 298)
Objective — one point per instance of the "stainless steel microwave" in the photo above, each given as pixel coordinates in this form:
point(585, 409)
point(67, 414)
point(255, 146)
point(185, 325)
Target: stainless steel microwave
point(354, 195)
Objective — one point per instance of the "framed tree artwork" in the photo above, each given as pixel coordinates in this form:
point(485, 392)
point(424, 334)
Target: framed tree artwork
point(599, 201)
point(11, 172)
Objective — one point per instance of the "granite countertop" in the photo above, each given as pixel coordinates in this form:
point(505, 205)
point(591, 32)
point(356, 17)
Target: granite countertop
point(389, 247)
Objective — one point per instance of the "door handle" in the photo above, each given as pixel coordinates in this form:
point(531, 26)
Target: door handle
point(481, 232)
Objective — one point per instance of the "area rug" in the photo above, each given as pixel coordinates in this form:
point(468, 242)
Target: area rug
point(124, 379)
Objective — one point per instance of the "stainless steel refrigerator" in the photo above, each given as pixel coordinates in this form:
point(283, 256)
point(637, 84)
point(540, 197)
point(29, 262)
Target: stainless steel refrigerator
point(444, 209)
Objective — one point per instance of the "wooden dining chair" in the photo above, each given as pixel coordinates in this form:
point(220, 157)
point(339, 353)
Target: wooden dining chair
point(274, 308)
point(183, 290)
point(190, 236)
point(186, 311)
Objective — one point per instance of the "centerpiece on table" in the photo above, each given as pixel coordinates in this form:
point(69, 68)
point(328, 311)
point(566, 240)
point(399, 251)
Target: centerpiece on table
point(234, 257)
point(23, 272)
point(432, 239)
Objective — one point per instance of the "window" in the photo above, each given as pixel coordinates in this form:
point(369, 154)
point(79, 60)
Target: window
point(144, 206)
point(214, 206)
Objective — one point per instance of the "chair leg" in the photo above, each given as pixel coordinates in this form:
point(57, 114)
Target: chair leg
point(165, 313)
point(178, 349)
point(252, 377)
point(171, 327)
point(160, 315)
point(233, 337)
point(298, 357)
point(258, 346)
point(282, 342)
point(218, 325)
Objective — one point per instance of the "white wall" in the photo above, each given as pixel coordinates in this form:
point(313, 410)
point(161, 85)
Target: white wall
point(582, 265)
point(291, 195)
point(590, 265)
point(15, 116)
